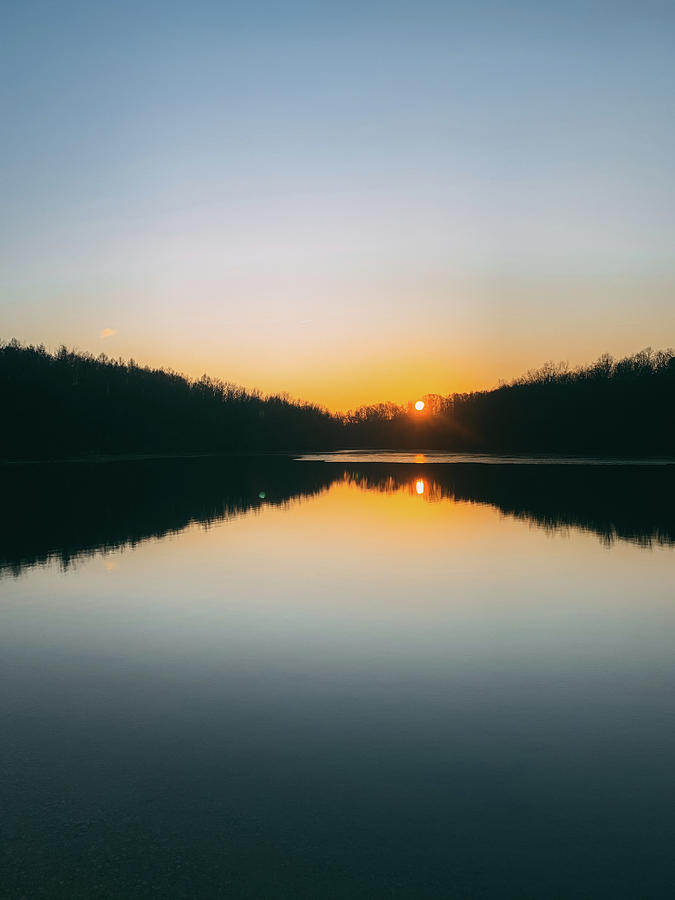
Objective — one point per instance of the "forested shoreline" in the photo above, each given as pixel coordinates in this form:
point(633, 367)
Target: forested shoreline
point(67, 403)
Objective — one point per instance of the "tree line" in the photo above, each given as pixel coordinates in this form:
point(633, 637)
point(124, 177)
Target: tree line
point(616, 407)
point(69, 403)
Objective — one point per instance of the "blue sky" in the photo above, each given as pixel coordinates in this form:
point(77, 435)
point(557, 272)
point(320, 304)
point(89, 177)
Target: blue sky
point(348, 201)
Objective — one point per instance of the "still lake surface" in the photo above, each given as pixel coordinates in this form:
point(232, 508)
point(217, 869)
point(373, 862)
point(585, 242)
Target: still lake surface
point(351, 676)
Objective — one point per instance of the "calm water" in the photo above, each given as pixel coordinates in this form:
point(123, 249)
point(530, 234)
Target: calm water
point(367, 677)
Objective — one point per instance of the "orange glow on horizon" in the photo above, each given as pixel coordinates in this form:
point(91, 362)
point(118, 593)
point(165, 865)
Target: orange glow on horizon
point(314, 372)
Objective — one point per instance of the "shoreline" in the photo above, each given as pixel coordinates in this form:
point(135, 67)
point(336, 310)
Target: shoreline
point(375, 456)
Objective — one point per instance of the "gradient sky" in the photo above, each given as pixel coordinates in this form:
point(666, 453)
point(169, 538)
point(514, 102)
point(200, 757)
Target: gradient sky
point(349, 201)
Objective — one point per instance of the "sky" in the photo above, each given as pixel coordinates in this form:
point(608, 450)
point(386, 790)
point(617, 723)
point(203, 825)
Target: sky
point(351, 202)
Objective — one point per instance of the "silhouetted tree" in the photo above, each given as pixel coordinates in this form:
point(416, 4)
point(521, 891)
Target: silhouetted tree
point(68, 403)
point(611, 407)
point(63, 404)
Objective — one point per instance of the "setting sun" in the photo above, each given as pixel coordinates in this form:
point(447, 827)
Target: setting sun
point(419, 487)
point(419, 405)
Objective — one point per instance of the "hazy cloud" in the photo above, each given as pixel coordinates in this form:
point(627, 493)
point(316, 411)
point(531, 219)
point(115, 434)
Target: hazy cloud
point(108, 332)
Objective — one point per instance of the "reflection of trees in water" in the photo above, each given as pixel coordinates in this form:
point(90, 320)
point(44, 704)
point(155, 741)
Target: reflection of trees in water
point(626, 502)
point(67, 511)
point(413, 482)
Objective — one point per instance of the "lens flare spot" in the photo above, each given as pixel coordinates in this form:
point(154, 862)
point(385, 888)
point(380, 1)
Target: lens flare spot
point(419, 405)
point(419, 487)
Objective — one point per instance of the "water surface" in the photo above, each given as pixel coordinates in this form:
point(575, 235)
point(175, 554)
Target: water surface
point(420, 458)
point(278, 678)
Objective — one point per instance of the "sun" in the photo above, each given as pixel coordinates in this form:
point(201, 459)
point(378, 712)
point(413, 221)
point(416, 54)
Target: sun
point(419, 406)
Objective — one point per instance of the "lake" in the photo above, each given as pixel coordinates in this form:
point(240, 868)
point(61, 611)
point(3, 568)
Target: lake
point(340, 676)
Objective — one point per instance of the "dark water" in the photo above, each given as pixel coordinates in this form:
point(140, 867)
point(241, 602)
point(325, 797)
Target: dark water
point(376, 677)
